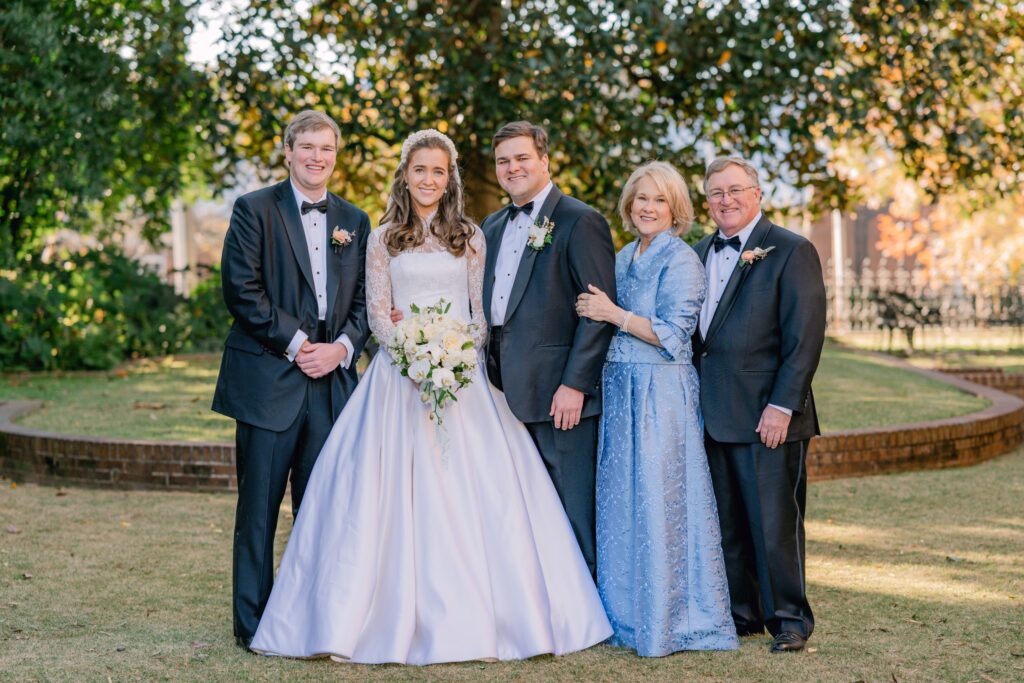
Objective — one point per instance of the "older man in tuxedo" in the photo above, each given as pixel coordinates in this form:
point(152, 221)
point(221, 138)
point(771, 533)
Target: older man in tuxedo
point(293, 281)
point(757, 347)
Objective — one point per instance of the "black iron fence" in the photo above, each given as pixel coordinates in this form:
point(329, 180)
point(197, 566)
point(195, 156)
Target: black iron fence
point(901, 307)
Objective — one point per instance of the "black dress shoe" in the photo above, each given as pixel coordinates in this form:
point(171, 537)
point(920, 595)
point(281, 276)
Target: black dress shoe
point(243, 642)
point(787, 641)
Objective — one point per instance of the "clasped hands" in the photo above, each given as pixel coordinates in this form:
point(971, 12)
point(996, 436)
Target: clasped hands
point(318, 360)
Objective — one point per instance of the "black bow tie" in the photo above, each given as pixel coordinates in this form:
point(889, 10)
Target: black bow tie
point(721, 244)
point(514, 210)
point(320, 206)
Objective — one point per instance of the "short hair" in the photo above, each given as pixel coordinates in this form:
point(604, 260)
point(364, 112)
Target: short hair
point(722, 163)
point(522, 129)
point(670, 183)
point(306, 120)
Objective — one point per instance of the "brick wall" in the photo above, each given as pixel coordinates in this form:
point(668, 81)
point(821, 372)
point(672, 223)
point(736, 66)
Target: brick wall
point(953, 442)
point(27, 455)
point(995, 378)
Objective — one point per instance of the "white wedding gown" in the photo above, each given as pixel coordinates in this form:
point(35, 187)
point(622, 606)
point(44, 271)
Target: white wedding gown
point(413, 549)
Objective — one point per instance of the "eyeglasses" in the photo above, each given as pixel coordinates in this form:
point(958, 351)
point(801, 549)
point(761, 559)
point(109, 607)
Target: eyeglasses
point(733, 192)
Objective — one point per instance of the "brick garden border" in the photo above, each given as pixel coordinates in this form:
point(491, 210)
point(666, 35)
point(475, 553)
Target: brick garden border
point(42, 457)
point(951, 442)
point(29, 455)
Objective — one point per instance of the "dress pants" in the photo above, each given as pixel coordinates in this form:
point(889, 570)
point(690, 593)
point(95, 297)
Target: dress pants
point(263, 460)
point(761, 495)
point(571, 460)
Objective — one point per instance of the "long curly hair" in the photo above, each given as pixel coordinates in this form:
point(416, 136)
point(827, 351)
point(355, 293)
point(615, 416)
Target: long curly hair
point(405, 229)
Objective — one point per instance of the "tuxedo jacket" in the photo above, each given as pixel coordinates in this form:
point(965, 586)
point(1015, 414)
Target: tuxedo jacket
point(268, 288)
point(765, 338)
point(544, 343)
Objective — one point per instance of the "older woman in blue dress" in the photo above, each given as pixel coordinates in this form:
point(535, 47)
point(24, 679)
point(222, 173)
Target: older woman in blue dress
point(660, 570)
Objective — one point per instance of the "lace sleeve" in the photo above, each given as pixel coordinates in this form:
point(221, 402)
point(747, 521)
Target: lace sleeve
point(378, 286)
point(476, 254)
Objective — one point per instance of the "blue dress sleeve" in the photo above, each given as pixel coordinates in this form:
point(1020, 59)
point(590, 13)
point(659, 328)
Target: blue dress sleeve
point(678, 300)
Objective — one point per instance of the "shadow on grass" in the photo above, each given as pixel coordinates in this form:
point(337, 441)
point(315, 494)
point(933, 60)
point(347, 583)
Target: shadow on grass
point(912, 577)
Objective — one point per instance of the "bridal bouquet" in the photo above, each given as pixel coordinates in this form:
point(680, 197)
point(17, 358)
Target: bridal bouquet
point(436, 352)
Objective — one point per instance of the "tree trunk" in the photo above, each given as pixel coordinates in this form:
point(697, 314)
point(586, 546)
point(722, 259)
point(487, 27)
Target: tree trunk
point(483, 194)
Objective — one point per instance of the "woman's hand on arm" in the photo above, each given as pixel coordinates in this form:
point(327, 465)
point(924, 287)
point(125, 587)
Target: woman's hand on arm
point(596, 305)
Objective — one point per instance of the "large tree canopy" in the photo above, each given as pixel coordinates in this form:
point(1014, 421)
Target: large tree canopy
point(101, 113)
point(620, 82)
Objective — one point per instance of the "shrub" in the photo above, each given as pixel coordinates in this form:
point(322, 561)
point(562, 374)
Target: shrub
point(206, 316)
point(94, 309)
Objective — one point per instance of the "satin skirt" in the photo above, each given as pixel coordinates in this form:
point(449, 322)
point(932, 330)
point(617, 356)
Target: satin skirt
point(421, 544)
point(660, 566)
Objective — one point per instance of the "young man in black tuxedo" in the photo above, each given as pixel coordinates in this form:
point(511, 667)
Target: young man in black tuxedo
point(757, 347)
point(544, 357)
point(293, 280)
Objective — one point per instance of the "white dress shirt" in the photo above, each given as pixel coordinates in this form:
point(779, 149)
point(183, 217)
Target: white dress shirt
point(718, 270)
point(314, 227)
point(510, 253)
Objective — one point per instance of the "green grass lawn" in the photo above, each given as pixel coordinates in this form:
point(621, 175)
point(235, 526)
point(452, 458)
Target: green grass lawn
point(853, 391)
point(1010, 361)
point(169, 399)
point(929, 340)
point(912, 577)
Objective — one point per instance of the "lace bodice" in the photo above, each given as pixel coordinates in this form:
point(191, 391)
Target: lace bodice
point(423, 276)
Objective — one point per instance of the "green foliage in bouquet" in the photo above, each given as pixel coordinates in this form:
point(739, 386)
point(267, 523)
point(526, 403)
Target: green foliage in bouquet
point(436, 352)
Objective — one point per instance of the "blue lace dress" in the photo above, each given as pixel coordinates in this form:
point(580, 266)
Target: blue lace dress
point(660, 570)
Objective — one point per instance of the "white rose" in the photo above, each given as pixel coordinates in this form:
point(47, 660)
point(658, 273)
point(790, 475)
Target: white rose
point(469, 357)
point(419, 370)
point(451, 341)
point(443, 377)
point(451, 359)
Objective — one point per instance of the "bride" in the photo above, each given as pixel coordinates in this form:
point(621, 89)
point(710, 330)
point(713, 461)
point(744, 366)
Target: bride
point(415, 547)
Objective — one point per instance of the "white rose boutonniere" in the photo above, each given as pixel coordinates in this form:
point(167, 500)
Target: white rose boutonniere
point(341, 238)
point(752, 256)
point(540, 234)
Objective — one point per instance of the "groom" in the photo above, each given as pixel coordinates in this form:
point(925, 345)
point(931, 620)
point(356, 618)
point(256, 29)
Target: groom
point(757, 346)
point(543, 250)
point(293, 272)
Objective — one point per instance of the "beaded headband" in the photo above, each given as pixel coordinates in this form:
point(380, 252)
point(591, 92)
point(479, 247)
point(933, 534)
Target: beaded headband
point(428, 133)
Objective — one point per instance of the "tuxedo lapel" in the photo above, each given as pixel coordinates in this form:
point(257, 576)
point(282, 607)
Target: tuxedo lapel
point(293, 228)
point(334, 271)
point(739, 274)
point(703, 247)
point(497, 230)
point(530, 256)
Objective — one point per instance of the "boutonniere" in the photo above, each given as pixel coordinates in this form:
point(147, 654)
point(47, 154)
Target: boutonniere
point(341, 238)
point(752, 256)
point(540, 234)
